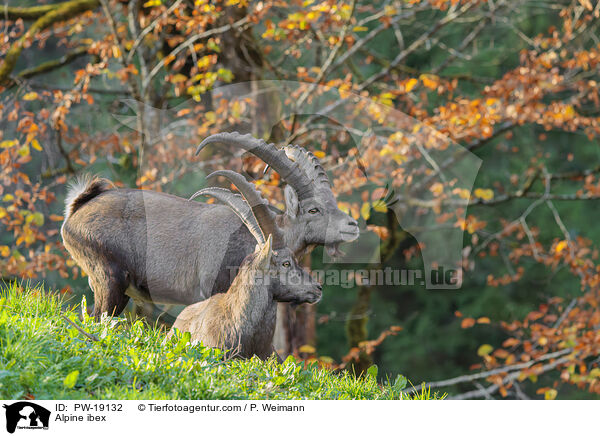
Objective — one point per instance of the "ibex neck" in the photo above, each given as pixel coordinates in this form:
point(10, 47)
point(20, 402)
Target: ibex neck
point(294, 237)
point(248, 297)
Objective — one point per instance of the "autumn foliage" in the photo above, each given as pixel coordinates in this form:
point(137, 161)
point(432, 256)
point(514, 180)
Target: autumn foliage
point(122, 77)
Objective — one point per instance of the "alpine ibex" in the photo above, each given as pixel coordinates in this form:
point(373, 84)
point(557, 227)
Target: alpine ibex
point(164, 249)
point(242, 320)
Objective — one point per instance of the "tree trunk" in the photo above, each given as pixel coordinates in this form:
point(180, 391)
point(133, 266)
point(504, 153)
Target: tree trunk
point(357, 326)
point(295, 327)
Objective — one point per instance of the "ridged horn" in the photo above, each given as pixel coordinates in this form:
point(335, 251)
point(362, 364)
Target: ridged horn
point(276, 158)
point(258, 205)
point(238, 205)
point(308, 163)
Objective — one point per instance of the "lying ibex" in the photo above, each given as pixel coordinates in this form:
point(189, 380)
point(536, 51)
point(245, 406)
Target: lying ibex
point(243, 319)
point(162, 248)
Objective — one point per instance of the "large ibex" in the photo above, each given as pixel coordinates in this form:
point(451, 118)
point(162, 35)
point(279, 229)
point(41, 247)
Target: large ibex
point(242, 320)
point(162, 248)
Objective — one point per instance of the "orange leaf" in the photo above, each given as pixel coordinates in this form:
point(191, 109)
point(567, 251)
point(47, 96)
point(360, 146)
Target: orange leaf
point(510, 342)
point(467, 323)
point(430, 81)
point(380, 231)
point(4, 250)
point(561, 246)
point(408, 86)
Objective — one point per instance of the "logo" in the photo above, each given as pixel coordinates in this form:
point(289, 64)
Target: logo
point(26, 415)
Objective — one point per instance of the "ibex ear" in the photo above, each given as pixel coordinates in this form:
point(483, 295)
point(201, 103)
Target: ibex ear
point(291, 201)
point(264, 255)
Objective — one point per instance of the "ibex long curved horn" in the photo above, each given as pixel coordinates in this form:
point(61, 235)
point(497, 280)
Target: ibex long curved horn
point(288, 170)
point(309, 164)
point(259, 206)
point(237, 203)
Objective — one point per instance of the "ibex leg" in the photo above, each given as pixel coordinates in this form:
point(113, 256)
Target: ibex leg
point(109, 293)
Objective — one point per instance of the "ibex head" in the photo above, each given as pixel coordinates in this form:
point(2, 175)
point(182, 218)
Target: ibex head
point(286, 280)
point(310, 203)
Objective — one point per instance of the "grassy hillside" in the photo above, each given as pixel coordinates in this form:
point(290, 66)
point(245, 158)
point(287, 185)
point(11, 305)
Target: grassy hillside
point(43, 355)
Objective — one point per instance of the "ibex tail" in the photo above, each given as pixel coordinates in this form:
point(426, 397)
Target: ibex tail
point(82, 191)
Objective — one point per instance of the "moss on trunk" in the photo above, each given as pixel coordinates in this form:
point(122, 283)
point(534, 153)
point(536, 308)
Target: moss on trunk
point(59, 12)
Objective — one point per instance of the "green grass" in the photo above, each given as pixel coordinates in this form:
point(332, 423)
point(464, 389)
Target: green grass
point(44, 356)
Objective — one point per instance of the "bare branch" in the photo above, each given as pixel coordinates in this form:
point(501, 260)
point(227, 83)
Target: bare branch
point(485, 374)
point(332, 55)
point(80, 330)
point(149, 29)
point(509, 378)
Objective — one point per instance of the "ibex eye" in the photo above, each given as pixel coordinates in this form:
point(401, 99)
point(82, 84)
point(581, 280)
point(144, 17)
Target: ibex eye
point(286, 264)
point(313, 210)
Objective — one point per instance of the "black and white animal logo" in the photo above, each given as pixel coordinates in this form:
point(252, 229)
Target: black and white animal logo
point(26, 415)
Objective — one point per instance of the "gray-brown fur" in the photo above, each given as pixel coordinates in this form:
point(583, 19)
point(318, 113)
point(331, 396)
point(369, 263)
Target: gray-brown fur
point(125, 237)
point(243, 319)
point(162, 248)
point(86, 190)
